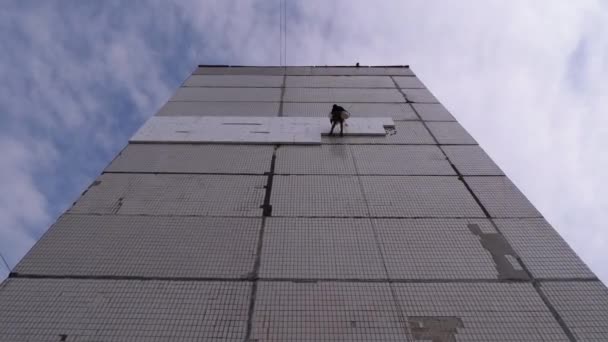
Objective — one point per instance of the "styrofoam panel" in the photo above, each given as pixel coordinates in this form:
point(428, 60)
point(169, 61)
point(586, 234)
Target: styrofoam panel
point(122, 310)
point(145, 246)
point(280, 130)
point(358, 126)
point(198, 108)
point(227, 94)
point(230, 129)
point(339, 82)
point(258, 81)
point(405, 132)
point(184, 158)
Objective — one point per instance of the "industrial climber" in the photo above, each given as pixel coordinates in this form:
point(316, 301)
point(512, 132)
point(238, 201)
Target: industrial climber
point(338, 115)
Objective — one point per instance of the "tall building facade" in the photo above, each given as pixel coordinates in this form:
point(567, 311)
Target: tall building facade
point(233, 216)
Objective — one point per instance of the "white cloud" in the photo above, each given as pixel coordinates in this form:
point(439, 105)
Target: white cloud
point(22, 205)
point(77, 82)
point(525, 78)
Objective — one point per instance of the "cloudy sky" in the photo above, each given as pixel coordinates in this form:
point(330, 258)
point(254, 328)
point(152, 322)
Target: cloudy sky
point(526, 78)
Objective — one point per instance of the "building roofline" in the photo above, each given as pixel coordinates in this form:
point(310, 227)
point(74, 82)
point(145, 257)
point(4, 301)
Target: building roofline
point(300, 66)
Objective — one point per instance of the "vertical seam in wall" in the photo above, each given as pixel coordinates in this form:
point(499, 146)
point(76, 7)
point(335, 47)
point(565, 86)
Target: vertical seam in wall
point(254, 281)
point(254, 276)
point(266, 206)
point(282, 94)
point(400, 311)
point(556, 315)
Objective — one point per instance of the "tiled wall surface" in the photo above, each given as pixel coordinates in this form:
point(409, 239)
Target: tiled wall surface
point(413, 236)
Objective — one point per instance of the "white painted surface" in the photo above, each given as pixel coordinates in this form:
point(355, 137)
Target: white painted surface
point(260, 130)
point(358, 126)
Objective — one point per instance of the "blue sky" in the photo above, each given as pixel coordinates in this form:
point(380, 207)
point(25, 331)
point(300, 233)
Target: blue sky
point(525, 78)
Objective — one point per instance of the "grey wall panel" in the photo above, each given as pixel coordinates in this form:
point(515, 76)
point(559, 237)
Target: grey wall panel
point(183, 158)
point(326, 312)
point(387, 196)
point(338, 95)
point(303, 70)
point(501, 197)
point(326, 159)
point(433, 112)
point(434, 249)
point(227, 94)
point(145, 246)
point(361, 71)
point(303, 248)
point(450, 133)
point(542, 249)
point(234, 81)
point(397, 111)
point(408, 82)
point(118, 310)
point(293, 70)
point(471, 160)
point(477, 312)
point(178, 195)
point(405, 132)
point(400, 160)
point(420, 96)
point(583, 306)
point(339, 82)
point(403, 196)
point(315, 196)
point(363, 160)
point(246, 70)
point(199, 108)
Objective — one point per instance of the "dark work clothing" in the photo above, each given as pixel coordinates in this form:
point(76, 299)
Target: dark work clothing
point(336, 113)
point(333, 124)
point(337, 108)
point(337, 117)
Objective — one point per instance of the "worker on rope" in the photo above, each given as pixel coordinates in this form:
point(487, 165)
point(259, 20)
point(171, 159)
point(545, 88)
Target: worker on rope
point(338, 115)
